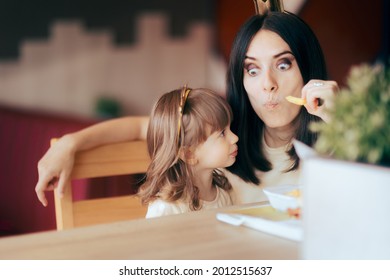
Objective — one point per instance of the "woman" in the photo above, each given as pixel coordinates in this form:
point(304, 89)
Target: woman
point(274, 55)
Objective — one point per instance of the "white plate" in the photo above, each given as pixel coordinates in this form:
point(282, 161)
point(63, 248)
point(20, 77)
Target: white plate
point(279, 198)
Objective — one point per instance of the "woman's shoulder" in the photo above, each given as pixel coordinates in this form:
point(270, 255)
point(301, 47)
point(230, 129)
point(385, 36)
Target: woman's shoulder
point(244, 192)
point(224, 197)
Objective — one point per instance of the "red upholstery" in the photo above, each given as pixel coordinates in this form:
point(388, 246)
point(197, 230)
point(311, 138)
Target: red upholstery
point(24, 138)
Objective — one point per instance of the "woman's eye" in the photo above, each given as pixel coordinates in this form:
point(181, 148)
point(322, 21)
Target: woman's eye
point(285, 65)
point(253, 71)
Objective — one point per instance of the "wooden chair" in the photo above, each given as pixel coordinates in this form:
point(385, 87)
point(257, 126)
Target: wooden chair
point(108, 160)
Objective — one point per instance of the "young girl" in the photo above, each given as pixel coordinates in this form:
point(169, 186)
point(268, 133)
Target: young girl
point(188, 138)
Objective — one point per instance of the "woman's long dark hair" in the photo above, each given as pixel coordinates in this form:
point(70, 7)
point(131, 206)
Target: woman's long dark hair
point(246, 124)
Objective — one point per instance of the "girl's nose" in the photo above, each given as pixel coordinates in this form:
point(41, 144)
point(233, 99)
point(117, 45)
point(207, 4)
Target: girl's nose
point(234, 138)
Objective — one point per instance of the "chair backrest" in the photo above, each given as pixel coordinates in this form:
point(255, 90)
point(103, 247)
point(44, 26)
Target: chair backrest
point(107, 160)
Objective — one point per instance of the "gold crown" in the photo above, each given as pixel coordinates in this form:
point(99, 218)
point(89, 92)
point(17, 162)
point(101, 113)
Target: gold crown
point(262, 6)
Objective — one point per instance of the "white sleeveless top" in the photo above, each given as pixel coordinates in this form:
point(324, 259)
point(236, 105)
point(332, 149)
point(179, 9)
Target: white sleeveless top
point(160, 207)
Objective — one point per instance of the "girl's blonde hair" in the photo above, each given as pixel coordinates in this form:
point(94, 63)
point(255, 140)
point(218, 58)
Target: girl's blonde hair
point(179, 121)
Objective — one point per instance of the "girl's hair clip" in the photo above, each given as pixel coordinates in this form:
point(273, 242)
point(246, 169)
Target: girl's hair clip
point(263, 6)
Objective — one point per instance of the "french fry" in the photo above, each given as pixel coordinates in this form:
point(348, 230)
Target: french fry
point(296, 100)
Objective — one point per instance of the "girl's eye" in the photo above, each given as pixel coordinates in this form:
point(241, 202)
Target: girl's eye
point(222, 134)
point(284, 65)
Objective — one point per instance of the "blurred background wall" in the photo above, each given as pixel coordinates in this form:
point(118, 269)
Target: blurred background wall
point(70, 55)
point(67, 64)
point(66, 56)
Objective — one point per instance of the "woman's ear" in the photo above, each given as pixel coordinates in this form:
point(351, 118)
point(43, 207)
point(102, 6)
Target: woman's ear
point(188, 156)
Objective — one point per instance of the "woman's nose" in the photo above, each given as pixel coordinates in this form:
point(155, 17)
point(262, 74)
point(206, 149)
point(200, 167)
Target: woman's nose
point(269, 82)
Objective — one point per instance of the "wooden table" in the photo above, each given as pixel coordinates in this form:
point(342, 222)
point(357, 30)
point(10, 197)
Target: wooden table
point(196, 235)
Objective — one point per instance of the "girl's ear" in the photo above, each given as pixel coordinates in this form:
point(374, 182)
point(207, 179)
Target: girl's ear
point(188, 156)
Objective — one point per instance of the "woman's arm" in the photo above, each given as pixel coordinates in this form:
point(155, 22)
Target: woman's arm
point(55, 167)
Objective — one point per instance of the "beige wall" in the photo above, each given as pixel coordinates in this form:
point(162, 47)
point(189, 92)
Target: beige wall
point(67, 72)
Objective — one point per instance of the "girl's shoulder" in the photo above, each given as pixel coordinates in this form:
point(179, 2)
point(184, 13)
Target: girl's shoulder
point(159, 207)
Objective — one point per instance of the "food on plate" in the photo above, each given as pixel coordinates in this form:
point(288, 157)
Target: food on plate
point(296, 213)
point(294, 193)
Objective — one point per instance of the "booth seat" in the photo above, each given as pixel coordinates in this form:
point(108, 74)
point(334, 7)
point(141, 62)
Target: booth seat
point(24, 138)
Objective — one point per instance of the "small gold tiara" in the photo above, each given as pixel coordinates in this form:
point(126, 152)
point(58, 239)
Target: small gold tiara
point(262, 6)
point(183, 98)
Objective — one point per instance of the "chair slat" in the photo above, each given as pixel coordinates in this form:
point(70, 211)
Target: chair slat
point(107, 160)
